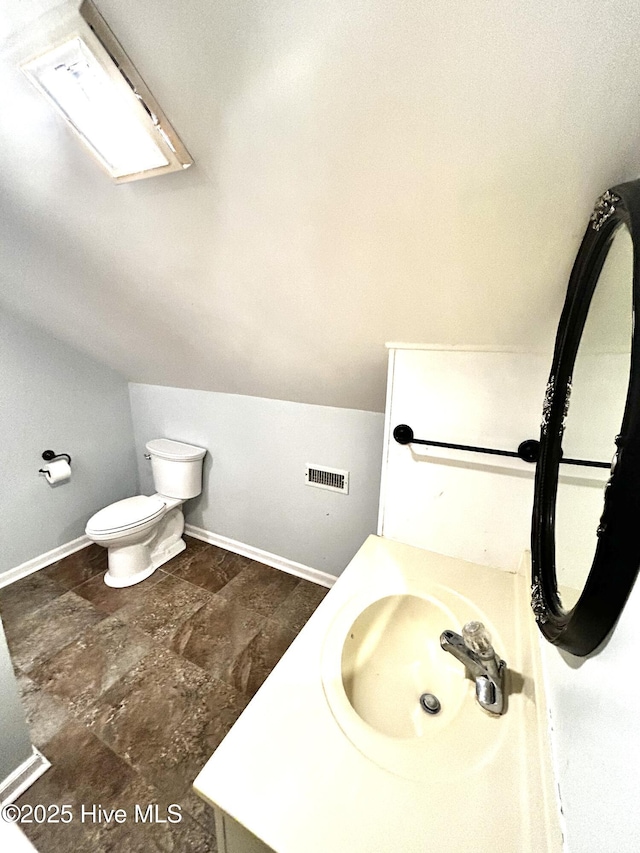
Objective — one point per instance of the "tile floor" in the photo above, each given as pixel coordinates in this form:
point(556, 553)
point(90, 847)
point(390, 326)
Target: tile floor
point(128, 692)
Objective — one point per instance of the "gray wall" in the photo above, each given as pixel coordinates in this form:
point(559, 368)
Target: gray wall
point(254, 489)
point(53, 396)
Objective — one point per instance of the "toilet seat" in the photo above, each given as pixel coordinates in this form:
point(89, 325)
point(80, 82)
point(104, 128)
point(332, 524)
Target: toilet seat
point(125, 515)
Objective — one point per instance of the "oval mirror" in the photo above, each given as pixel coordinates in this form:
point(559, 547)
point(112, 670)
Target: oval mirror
point(585, 548)
point(599, 383)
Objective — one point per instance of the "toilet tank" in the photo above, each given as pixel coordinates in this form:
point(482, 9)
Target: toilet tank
point(176, 468)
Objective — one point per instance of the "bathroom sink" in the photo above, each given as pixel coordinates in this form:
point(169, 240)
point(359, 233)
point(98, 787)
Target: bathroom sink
point(391, 655)
point(380, 656)
point(334, 753)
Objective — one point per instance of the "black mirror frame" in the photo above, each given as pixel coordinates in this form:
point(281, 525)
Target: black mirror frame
point(617, 558)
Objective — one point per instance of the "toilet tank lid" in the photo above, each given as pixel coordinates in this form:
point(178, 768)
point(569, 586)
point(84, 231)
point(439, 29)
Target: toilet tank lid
point(177, 451)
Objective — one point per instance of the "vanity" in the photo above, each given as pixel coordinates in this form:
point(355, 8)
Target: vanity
point(368, 736)
point(315, 764)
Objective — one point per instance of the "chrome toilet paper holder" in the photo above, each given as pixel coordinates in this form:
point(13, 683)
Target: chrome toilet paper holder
point(50, 455)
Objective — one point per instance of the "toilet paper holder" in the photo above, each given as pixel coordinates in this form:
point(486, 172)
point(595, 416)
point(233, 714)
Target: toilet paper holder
point(49, 455)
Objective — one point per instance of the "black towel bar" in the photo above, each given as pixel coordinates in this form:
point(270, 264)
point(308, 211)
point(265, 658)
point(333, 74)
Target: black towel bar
point(528, 450)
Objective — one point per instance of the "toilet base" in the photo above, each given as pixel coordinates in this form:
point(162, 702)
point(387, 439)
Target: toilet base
point(119, 583)
point(158, 559)
point(134, 561)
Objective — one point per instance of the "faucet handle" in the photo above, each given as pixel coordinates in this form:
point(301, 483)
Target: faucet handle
point(478, 639)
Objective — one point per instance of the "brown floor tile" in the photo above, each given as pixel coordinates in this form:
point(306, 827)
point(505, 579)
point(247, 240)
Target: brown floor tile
point(84, 772)
point(187, 836)
point(249, 669)
point(154, 687)
point(165, 718)
point(260, 588)
point(199, 810)
point(46, 714)
point(214, 554)
point(165, 607)
point(78, 567)
point(84, 670)
point(298, 607)
point(109, 600)
point(217, 635)
point(193, 543)
point(194, 546)
point(47, 630)
point(82, 766)
point(210, 568)
point(156, 822)
point(21, 598)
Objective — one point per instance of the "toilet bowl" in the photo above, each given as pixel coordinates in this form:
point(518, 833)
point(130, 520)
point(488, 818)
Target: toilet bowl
point(143, 532)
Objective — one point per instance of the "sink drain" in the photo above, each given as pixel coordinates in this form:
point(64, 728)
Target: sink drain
point(430, 703)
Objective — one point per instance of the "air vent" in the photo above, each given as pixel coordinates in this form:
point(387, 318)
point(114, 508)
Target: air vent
point(327, 478)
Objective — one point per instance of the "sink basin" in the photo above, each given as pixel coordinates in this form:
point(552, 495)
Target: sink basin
point(380, 656)
point(390, 656)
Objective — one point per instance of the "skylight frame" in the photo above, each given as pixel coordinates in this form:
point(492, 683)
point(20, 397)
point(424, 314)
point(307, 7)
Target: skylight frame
point(136, 97)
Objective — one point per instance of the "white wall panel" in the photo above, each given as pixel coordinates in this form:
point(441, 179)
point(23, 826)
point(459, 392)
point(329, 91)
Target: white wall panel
point(469, 505)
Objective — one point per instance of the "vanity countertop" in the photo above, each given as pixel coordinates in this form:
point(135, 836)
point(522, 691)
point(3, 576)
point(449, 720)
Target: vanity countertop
point(289, 774)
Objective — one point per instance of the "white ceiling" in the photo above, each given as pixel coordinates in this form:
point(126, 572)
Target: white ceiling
point(364, 171)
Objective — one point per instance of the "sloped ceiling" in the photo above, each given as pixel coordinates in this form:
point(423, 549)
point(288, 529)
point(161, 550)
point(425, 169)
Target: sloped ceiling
point(364, 171)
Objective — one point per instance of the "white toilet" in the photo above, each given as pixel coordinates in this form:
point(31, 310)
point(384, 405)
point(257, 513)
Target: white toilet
point(142, 533)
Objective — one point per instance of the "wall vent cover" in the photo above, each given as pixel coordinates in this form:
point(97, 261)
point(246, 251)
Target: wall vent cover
point(327, 478)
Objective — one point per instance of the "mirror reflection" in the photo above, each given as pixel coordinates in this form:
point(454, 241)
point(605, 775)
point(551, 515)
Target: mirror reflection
point(599, 386)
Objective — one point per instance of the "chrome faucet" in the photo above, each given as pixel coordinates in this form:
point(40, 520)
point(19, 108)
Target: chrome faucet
point(475, 651)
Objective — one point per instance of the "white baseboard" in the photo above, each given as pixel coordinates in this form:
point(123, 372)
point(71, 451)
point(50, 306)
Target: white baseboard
point(289, 566)
point(43, 560)
point(23, 777)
